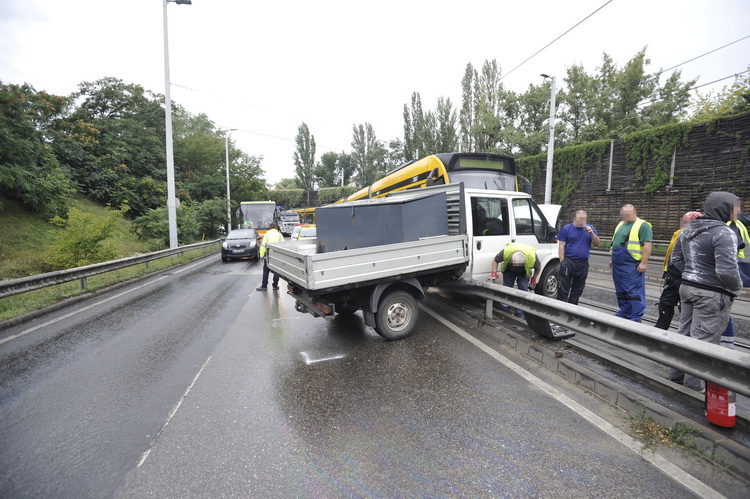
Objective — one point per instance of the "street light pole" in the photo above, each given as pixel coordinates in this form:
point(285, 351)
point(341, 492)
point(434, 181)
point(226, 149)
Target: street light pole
point(229, 206)
point(171, 200)
point(551, 143)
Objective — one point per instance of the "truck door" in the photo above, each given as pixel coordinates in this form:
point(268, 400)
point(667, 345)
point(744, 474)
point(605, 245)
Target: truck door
point(532, 228)
point(490, 232)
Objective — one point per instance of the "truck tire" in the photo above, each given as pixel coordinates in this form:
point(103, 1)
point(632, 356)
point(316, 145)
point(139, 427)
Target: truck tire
point(547, 285)
point(396, 316)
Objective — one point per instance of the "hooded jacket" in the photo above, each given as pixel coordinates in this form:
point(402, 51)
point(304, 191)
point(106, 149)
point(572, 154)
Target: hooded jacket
point(706, 251)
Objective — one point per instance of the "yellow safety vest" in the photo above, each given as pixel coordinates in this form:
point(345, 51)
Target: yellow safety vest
point(272, 236)
point(744, 236)
point(634, 246)
point(528, 251)
point(670, 248)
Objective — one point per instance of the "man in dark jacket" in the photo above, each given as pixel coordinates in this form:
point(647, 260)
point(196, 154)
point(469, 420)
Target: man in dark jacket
point(706, 252)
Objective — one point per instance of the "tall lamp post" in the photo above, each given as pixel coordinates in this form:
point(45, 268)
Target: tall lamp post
point(551, 143)
point(229, 206)
point(171, 200)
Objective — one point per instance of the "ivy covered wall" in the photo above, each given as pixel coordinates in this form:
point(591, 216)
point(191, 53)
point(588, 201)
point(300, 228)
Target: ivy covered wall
point(707, 157)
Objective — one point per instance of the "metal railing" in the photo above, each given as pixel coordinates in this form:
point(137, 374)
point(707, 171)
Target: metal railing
point(25, 284)
point(719, 365)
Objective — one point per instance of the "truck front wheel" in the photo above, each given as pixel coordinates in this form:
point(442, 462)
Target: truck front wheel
point(396, 316)
point(547, 285)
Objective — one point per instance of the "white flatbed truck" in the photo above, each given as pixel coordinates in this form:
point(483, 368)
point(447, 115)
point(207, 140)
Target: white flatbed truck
point(385, 281)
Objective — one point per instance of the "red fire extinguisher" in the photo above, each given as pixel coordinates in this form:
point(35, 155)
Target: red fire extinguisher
point(721, 406)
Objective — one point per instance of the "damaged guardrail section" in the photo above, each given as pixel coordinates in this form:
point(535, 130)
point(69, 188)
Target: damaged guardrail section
point(719, 365)
point(25, 284)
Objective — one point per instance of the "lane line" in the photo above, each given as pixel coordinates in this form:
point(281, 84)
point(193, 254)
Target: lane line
point(172, 413)
point(665, 466)
point(78, 311)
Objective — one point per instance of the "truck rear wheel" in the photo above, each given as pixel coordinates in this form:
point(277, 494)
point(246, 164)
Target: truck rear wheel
point(396, 316)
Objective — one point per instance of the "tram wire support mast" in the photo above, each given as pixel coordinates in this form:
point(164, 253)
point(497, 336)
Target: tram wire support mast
point(551, 143)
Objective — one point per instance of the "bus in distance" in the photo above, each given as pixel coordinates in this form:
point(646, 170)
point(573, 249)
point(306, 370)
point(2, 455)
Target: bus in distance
point(256, 215)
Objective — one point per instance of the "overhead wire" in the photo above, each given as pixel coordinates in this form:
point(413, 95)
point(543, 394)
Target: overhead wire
point(698, 57)
point(553, 41)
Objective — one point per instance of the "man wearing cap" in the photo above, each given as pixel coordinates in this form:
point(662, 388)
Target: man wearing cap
point(518, 263)
point(670, 294)
point(631, 250)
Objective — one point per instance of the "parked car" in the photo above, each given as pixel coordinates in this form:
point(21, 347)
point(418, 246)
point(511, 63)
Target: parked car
point(305, 231)
point(240, 243)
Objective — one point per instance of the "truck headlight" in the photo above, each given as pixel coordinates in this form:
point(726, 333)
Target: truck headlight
point(224, 245)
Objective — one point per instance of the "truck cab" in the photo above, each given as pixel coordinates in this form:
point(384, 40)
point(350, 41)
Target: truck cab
point(498, 218)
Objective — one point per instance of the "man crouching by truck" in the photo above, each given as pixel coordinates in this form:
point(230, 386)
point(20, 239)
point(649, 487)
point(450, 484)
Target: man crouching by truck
point(518, 262)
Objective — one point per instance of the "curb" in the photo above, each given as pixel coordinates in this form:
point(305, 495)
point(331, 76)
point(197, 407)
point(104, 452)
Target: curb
point(711, 444)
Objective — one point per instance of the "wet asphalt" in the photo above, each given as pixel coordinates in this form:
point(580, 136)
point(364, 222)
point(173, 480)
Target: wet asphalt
point(193, 384)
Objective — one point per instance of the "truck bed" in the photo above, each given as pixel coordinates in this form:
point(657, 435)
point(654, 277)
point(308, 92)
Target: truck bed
point(299, 263)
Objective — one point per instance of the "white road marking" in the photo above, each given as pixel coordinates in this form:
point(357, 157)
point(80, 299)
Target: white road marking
point(667, 467)
point(172, 413)
point(309, 361)
point(78, 311)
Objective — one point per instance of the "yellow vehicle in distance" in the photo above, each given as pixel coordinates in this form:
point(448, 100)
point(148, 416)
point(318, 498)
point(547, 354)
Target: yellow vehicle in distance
point(306, 231)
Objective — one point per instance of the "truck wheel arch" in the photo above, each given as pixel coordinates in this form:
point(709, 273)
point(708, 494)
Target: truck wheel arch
point(411, 285)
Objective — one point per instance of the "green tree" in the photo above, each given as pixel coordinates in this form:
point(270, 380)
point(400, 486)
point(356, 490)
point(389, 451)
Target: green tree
point(287, 183)
point(327, 170)
point(304, 157)
point(246, 178)
point(368, 156)
point(30, 172)
point(727, 102)
point(126, 163)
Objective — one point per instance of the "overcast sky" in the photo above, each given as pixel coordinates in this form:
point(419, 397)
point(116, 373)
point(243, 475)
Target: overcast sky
point(265, 67)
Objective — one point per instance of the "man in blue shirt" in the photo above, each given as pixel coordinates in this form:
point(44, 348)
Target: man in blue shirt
point(574, 251)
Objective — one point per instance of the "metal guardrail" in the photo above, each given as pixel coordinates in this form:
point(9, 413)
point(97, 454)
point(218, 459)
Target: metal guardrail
point(719, 365)
point(25, 284)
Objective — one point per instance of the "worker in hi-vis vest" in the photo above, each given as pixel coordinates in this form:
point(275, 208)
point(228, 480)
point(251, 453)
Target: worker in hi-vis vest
point(272, 236)
point(518, 263)
point(631, 250)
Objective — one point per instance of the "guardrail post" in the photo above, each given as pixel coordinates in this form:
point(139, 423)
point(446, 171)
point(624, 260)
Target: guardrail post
point(84, 283)
point(147, 267)
point(488, 309)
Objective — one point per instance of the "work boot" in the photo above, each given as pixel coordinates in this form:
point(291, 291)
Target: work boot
point(275, 287)
point(261, 288)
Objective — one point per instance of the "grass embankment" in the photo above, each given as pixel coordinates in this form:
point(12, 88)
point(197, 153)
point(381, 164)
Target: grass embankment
point(25, 240)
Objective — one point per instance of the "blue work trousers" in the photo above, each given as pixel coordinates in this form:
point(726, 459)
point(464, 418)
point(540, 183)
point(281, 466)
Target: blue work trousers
point(630, 285)
point(511, 278)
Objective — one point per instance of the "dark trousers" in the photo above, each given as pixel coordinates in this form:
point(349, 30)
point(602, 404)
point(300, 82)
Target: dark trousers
point(511, 278)
point(572, 279)
point(266, 270)
point(668, 300)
